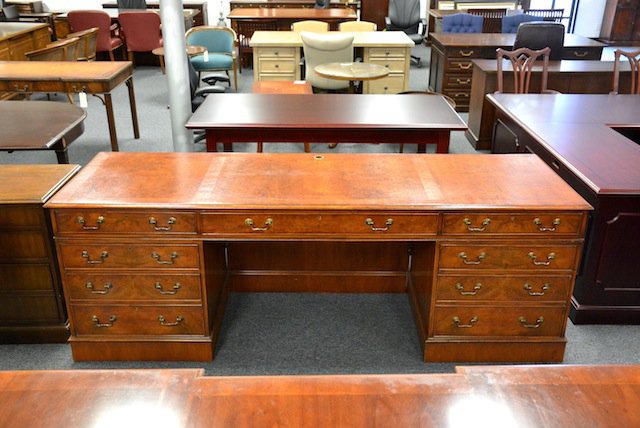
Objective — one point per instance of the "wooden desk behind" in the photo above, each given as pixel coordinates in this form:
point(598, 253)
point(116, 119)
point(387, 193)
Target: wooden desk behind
point(592, 142)
point(276, 56)
point(287, 16)
point(200, 18)
point(17, 38)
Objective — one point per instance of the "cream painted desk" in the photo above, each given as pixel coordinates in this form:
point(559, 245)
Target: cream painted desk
point(276, 56)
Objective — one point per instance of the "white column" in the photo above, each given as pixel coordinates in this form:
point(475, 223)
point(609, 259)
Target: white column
point(177, 73)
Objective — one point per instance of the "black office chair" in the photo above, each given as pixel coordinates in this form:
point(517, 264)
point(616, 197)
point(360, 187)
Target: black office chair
point(322, 4)
point(198, 95)
point(132, 4)
point(539, 35)
point(404, 15)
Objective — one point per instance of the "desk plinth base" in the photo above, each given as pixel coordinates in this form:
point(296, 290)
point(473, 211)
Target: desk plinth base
point(448, 350)
point(136, 350)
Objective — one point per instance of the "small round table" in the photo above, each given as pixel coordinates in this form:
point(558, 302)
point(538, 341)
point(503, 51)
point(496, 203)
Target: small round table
point(192, 50)
point(352, 71)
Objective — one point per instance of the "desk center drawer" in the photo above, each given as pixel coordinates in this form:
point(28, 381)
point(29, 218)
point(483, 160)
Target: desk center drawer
point(276, 65)
point(129, 256)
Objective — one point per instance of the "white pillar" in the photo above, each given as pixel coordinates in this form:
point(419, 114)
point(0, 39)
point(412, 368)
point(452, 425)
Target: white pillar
point(177, 73)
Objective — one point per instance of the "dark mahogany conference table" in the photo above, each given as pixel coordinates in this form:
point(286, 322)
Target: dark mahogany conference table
point(340, 118)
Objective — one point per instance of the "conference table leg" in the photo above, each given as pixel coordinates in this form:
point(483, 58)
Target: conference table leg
point(132, 104)
point(62, 155)
point(112, 122)
point(442, 141)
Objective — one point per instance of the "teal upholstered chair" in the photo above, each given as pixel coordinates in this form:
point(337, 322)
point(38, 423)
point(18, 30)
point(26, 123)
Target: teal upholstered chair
point(220, 56)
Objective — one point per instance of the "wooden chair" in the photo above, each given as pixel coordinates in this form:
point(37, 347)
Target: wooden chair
point(108, 39)
point(522, 61)
point(448, 99)
point(88, 40)
point(492, 22)
point(634, 63)
point(357, 26)
point(245, 29)
point(142, 31)
point(311, 26)
point(62, 50)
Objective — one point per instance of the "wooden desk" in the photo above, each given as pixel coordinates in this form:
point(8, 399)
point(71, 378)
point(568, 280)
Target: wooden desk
point(568, 77)
point(410, 119)
point(287, 16)
point(308, 4)
point(168, 235)
point(32, 308)
point(522, 396)
point(576, 136)
point(200, 18)
point(52, 126)
point(96, 78)
point(450, 70)
point(276, 56)
point(17, 38)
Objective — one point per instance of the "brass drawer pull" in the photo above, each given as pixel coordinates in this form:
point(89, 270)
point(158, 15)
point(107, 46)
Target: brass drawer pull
point(25, 88)
point(387, 224)
point(82, 222)
point(461, 95)
point(523, 322)
point(477, 261)
point(164, 322)
point(465, 66)
point(552, 228)
point(173, 256)
point(547, 262)
point(580, 54)
point(463, 53)
point(476, 288)
point(103, 255)
point(267, 225)
point(542, 292)
point(483, 226)
point(463, 81)
point(154, 222)
point(177, 286)
point(472, 322)
point(105, 288)
point(97, 322)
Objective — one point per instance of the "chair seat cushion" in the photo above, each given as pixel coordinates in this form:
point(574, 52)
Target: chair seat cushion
point(215, 62)
point(115, 42)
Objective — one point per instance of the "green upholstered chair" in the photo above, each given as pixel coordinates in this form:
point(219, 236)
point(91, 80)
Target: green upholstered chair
point(220, 56)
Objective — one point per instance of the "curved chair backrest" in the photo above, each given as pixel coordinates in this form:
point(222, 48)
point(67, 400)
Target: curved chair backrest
point(404, 15)
point(357, 26)
point(87, 44)
point(215, 39)
point(132, 4)
point(634, 63)
point(522, 61)
point(511, 23)
point(141, 29)
point(312, 26)
point(539, 35)
point(62, 50)
point(324, 48)
point(462, 23)
point(84, 19)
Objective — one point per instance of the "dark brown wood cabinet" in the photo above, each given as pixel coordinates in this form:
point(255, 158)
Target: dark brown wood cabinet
point(621, 21)
point(31, 304)
point(375, 11)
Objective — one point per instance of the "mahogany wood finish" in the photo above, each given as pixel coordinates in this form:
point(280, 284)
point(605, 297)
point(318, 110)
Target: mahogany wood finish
point(522, 61)
point(252, 4)
point(451, 64)
point(284, 17)
point(150, 253)
point(633, 59)
point(96, 78)
point(375, 11)
point(18, 38)
point(567, 77)
point(200, 18)
point(592, 142)
point(53, 126)
point(368, 118)
point(621, 22)
point(31, 304)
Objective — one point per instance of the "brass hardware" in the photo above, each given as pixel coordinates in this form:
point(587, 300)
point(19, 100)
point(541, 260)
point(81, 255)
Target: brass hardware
point(481, 228)
point(463, 81)
point(154, 222)
point(476, 288)
point(177, 286)
point(173, 256)
point(97, 322)
point(472, 322)
point(103, 255)
point(318, 157)
point(547, 262)
point(82, 221)
point(105, 288)
point(541, 228)
point(25, 88)
point(371, 223)
point(463, 53)
point(580, 54)
point(277, 66)
point(542, 291)
point(75, 89)
point(477, 261)
point(267, 225)
point(461, 94)
point(465, 66)
point(164, 322)
point(523, 322)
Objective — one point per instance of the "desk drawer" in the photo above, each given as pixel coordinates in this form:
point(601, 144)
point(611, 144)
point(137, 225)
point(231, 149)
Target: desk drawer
point(382, 52)
point(131, 256)
point(104, 221)
point(138, 320)
point(581, 53)
point(391, 84)
point(498, 321)
point(277, 52)
point(363, 224)
point(394, 65)
point(516, 256)
point(461, 96)
point(277, 65)
point(458, 82)
point(539, 224)
point(24, 244)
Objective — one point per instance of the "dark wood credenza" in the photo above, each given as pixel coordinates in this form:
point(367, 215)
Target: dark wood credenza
point(150, 245)
point(592, 142)
point(201, 18)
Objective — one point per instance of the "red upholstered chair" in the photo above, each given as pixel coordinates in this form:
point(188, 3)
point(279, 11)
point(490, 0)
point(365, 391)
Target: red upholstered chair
point(84, 19)
point(141, 29)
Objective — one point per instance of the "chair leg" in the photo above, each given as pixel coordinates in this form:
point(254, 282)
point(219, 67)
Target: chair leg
point(259, 149)
point(307, 147)
point(161, 57)
point(235, 77)
point(111, 56)
point(130, 58)
point(70, 98)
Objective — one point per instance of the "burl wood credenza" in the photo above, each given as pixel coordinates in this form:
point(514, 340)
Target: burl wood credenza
point(150, 245)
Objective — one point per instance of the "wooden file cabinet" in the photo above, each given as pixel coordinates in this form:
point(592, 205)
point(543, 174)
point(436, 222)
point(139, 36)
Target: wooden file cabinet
point(31, 303)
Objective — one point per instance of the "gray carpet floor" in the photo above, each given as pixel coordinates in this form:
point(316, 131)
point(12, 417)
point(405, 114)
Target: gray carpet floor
point(283, 333)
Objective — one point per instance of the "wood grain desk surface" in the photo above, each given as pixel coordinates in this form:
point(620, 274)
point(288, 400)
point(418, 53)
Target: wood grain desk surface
point(360, 39)
point(65, 71)
point(13, 29)
point(308, 181)
point(37, 182)
point(502, 39)
point(292, 13)
point(577, 129)
point(563, 66)
point(512, 396)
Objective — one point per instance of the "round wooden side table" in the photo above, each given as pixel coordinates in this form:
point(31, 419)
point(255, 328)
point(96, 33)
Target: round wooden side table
point(352, 71)
point(192, 50)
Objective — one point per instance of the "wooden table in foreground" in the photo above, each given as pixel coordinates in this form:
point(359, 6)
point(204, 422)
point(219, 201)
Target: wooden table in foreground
point(287, 16)
point(149, 255)
point(593, 143)
point(51, 126)
point(511, 396)
point(568, 77)
point(95, 78)
point(341, 118)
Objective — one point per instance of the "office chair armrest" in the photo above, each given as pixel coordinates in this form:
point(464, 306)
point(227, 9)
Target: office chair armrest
point(425, 25)
point(387, 22)
point(206, 90)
